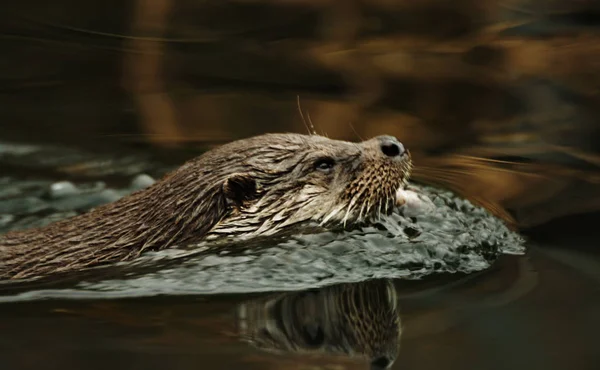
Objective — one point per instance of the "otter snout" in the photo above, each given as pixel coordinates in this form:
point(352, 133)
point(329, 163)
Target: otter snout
point(391, 147)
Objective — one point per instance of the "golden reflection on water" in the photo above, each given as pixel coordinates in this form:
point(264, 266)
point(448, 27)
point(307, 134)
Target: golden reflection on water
point(496, 100)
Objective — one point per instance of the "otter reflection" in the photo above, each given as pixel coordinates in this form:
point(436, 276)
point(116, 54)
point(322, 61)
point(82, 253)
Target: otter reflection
point(353, 319)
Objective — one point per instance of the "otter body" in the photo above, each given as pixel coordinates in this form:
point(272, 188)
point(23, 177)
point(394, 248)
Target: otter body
point(260, 186)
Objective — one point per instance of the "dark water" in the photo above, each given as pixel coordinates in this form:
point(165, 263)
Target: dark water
point(538, 311)
point(497, 101)
point(532, 310)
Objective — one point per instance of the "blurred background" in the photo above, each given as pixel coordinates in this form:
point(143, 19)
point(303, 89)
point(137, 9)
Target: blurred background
point(496, 100)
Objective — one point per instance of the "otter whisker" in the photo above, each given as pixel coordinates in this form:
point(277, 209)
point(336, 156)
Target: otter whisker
point(348, 210)
point(310, 122)
point(351, 205)
point(362, 208)
point(331, 214)
point(355, 132)
point(369, 206)
point(311, 128)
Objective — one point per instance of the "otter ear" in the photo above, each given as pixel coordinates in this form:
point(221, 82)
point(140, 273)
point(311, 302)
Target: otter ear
point(238, 189)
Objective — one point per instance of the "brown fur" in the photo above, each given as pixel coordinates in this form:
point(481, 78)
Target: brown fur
point(359, 319)
point(258, 186)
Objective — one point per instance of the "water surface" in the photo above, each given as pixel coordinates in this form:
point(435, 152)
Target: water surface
point(497, 101)
point(465, 308)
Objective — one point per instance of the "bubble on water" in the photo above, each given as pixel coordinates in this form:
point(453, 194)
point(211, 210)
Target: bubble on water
point(141, 181)
point(5, 220)
point(62, 189)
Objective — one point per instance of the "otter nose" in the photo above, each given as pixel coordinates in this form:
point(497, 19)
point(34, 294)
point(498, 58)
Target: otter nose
point(390, 146)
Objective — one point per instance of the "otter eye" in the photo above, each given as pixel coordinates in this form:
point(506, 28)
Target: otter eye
point(324, 164)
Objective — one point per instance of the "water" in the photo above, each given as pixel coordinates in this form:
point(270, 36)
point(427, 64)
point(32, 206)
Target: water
point(471, 303)
point(497, 102)
point(526, 312)
point(447, 235)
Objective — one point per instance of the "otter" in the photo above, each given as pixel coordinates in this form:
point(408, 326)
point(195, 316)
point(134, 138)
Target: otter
point(355, 320)
point(256, 187)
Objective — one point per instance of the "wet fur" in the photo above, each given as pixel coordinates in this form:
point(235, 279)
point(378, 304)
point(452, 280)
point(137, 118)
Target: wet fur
point(254, 187)
point(360, 319)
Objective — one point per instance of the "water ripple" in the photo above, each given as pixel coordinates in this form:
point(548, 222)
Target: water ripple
point(455, 237)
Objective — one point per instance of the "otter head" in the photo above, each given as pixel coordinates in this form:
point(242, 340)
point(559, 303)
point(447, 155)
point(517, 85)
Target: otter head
point(274, 181)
